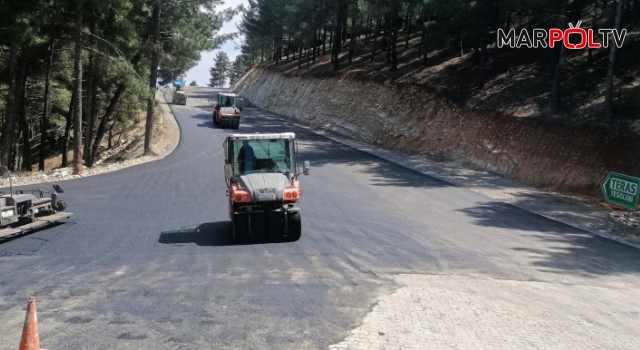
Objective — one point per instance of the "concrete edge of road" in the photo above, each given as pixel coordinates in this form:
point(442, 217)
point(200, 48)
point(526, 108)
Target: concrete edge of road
point(173, 115)
point(398, 159)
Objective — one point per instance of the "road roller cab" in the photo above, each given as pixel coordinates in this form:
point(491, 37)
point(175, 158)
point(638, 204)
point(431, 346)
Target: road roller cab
point(225, 112)
point(179, 95)
point(263, 186)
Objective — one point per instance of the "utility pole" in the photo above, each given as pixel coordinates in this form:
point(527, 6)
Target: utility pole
point(77, 112)
point(153, 80)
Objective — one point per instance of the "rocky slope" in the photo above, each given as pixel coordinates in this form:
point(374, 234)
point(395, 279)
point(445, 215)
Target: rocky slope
point(564, 158)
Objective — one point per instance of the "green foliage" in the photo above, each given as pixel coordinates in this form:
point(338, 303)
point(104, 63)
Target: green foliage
point(221, 70)
point(237, 69)
point(118, 42)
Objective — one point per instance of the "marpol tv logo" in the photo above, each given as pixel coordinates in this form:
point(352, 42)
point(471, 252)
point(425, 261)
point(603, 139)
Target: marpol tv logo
point(543, 38)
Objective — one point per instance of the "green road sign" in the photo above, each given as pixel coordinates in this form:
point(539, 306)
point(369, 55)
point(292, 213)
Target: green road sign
point(621, 190)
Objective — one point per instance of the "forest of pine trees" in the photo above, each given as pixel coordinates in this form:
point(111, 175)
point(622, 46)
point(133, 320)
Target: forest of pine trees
point(224, 70)
point(303, 30)
point(73, 71)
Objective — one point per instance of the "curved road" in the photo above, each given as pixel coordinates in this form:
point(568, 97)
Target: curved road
point(120, 274)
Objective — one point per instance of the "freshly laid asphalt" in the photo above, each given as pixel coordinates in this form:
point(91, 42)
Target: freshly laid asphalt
point(146, 260)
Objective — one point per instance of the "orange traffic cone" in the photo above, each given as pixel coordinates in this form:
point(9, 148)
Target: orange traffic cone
point(30, 339)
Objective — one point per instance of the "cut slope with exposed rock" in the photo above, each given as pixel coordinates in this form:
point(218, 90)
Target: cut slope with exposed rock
point(565, 158)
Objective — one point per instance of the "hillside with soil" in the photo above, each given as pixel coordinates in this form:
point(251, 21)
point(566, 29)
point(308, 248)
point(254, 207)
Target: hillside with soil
point(508, 127)
point(119, 150)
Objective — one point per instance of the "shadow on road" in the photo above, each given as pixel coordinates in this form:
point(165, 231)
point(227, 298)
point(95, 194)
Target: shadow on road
point(564, 249)
point(208, 125)
point(32, 233)
point(202, 116)
point(207, 234)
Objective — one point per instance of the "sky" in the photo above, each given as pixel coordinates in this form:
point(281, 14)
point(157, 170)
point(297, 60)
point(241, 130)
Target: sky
point(200, 73)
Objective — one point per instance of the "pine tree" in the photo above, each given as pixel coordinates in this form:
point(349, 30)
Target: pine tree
point(220, 70)
point(236, 70)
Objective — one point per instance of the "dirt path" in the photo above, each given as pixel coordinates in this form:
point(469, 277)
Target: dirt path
point(166, 136)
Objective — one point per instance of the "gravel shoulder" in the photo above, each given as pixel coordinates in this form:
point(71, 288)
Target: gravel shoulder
point(166, 137)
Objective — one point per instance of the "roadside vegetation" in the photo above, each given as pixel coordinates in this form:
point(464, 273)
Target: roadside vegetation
point(449, 47)
point(74, 74)
point(224, 70)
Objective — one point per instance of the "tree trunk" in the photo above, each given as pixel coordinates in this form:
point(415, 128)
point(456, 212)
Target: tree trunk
point(77, 72)
point(294, 49)
point(389, 38)
point(280, 39)
point(557, 100)
point(484, 40)
point(483, 59)
point(87, 109)
point(422, 24)
point(394, 39)
point(374, 40)
point(93, 103)
point(476, 53)
point(289, 46)
point(67, 131)
point(273, 51)
point(333, 29)
point(337, 40)
point(608, 96)
point(148, 131)
point(109, 141)
point(7, 128)
point(345, 21)
point(324, 40)
point(44, 126)
point(314, 43)
point(408, 27)
point(308, 54)
point(93, 116)
point(22, 113)
point(352, 40)
point(105, 119)
point(424, 43)
point(15, 161)
point(300, 54)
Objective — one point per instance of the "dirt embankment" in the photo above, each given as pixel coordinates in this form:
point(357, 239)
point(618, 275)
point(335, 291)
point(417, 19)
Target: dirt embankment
point(127, 152)
point(564, 158)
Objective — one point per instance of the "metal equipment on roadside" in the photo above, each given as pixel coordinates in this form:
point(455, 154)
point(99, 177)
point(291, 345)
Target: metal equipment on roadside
point(263, 186)
point(21, 213)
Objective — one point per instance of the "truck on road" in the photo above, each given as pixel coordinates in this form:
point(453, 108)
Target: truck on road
point(263, 186)
point(179, 96)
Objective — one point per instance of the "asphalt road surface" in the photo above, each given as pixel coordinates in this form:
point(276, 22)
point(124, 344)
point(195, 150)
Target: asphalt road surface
point(146, 261)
